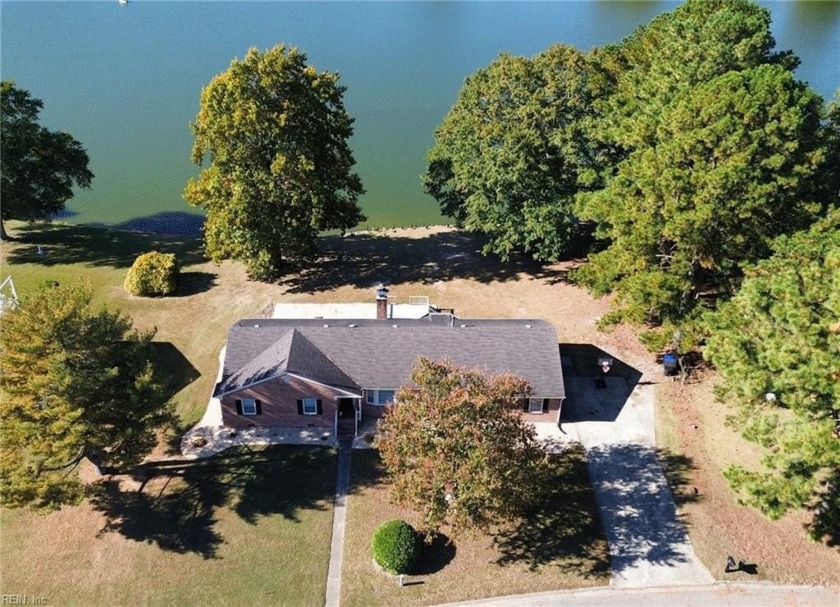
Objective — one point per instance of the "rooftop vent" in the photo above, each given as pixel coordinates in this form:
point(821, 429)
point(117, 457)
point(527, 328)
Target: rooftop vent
point(326, 326)
point(352, 325)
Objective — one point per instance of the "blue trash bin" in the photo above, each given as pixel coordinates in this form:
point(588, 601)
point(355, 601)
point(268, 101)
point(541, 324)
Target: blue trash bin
point(670, 363)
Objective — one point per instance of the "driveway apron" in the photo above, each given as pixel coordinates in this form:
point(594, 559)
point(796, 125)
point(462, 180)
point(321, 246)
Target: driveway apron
point(648, 542)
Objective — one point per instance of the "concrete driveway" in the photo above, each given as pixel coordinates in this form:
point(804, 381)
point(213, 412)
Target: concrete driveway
point(648, 542)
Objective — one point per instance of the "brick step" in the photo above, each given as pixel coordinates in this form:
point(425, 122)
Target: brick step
point(346, 428)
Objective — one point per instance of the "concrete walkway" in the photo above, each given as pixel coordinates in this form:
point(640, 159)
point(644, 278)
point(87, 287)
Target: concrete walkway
point(342, 488)
point(649, 546)
point(206, 441)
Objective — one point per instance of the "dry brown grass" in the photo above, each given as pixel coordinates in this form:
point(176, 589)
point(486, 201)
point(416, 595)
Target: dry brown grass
point(693, 423)
point(253, 530)
point(560, 546)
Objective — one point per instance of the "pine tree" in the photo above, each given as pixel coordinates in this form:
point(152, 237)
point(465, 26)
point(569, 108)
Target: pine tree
point(73, 385)
point(718, 149)
point(777, 344)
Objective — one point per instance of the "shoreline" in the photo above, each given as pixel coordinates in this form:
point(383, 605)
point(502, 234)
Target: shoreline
point(185, 225)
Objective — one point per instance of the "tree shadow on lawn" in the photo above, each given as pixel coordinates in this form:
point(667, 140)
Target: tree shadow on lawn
point(176, 372)
point(69, 244)
point(175, 368)
point(563, 529)
point(193, 283)
point(434, 556)
point(366, 470)
point(177, 502)
point(365, 260)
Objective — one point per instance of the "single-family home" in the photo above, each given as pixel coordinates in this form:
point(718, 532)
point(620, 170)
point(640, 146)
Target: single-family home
point(323, 373)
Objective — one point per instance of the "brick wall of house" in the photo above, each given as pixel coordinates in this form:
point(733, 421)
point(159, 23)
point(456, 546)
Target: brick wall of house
point(278, 399)
point(372, 410)
point(549, 414)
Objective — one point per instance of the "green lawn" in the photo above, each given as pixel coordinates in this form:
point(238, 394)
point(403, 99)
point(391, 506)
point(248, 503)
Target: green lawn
point(248, 527)
point(191, 325)
point(558, 545)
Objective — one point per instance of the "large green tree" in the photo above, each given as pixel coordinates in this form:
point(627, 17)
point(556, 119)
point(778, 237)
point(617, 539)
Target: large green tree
point(830, 179)
point(73, 385)
point(718, 150)
point(39, 167)
point(735, 164)
point(659, 62)
point(509, 155)
point(457, 449)
point(777, 345)
point(273, 133)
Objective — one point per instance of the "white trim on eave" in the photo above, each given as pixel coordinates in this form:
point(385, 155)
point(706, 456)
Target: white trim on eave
point(295, 375)
point(317, 383)
point(254, 383)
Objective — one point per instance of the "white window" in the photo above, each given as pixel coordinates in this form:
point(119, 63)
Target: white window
point(535, 405)
point(249, 406)
point(380, 397)
point(310, 406)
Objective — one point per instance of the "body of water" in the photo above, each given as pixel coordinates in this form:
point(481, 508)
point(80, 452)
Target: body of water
point(125, 79)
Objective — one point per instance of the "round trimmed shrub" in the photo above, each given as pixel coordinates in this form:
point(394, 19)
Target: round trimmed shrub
point(152, 274)
point(396, 546)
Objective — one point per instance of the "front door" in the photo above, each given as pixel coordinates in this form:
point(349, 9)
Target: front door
point(346, 408)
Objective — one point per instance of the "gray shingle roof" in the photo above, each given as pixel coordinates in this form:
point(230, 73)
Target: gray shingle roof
point(290, 353)
point(371, 353)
